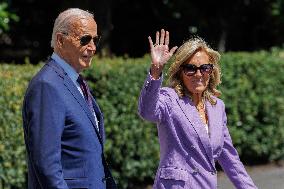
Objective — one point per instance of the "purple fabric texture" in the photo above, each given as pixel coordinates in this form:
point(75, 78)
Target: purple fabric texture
point(187, 153)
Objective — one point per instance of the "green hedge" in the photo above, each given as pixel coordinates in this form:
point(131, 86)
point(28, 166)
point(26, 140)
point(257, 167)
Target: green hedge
point(13, 82)
point(252, 89)
point(253, 92)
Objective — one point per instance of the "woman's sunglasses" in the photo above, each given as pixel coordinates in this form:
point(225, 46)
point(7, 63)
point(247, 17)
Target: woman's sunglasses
point(85, 40)
point(190, 69)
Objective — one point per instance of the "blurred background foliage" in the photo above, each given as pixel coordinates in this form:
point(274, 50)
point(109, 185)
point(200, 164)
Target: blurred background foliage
point(252, 87)
point(6, 17)
point(228, 25)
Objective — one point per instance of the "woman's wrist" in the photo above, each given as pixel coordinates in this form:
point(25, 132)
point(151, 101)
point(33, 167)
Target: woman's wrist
point(156, 72)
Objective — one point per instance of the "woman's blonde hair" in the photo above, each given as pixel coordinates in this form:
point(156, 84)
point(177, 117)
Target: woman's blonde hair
point(185, 52)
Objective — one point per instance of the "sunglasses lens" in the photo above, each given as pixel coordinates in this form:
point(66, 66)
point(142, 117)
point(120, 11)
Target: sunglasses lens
point(189, 69)
point(85, 40)
point(96, 40)
point(206, 68)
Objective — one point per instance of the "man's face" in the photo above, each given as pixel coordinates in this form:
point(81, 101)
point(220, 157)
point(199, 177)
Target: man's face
point(75, 50)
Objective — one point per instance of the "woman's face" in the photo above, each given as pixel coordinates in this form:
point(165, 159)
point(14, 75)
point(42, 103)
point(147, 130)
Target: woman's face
point(196, 81)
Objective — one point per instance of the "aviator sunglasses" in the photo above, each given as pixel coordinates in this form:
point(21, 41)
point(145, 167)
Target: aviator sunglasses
point(85, 40)
point(190, 69)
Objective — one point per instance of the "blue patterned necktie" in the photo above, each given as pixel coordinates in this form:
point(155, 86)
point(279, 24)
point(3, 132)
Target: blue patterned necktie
point(86, 91)
point(88, 97)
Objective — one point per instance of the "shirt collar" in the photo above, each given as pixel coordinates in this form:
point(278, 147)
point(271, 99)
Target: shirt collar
point(66, 67)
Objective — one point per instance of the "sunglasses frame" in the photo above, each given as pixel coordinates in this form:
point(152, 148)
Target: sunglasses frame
point(195, 68)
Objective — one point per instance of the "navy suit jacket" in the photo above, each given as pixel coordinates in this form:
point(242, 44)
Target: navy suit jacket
point(64, 148)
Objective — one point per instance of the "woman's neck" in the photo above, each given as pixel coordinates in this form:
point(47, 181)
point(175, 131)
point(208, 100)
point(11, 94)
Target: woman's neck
point(197, 99)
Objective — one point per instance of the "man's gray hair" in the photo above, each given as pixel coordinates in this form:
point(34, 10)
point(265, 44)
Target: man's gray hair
point(65, 18)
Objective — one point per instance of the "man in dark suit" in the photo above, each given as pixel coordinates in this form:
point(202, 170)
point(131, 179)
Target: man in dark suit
point(63, 125)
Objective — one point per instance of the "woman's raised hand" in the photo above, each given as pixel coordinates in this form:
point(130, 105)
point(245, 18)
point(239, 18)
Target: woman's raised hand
point(160, 53)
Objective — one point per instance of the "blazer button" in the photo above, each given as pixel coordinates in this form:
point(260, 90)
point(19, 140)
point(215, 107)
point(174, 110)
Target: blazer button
point(147, 84)
point(195, 170)
point(105, 179)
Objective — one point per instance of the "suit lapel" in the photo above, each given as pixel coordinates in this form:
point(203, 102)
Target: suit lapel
point(76, 94)
point(192, 116)
point(100, 118)
point(215, 124)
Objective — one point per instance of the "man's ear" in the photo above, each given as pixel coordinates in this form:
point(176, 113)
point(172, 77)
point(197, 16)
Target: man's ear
point(59, 39)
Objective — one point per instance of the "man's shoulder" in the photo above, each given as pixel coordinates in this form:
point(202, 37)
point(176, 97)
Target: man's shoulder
point(46, 75)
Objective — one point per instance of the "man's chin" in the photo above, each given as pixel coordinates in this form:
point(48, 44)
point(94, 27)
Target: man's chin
point(86, 63)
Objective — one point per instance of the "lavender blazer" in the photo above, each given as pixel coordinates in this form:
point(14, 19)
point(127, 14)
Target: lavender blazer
point(187, 153)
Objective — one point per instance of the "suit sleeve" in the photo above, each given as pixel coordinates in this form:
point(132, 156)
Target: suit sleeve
point(150, 107)
point(45, 120)
point(231, 163)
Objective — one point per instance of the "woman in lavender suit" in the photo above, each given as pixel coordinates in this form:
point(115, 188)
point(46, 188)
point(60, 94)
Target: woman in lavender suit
point(191, 120)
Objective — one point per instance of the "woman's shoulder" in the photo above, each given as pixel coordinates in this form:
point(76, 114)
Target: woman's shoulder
point(168, 91)
point(168, 94)
point(219, 101)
